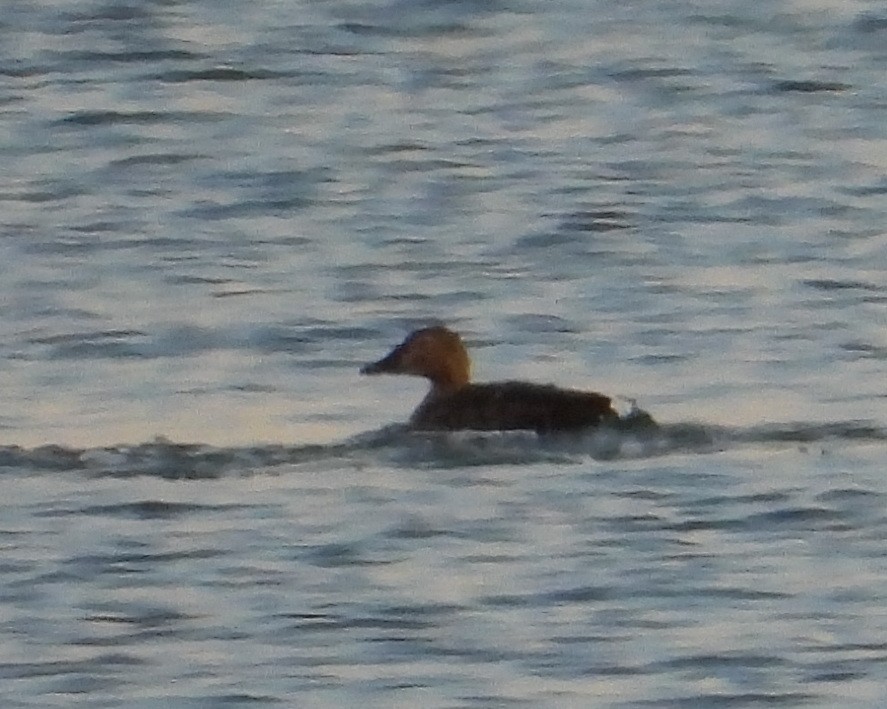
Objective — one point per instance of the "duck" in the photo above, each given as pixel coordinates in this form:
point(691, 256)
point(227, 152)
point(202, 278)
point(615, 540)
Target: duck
point(456, 403)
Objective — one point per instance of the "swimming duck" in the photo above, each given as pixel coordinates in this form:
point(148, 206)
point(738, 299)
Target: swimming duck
point(454, 403)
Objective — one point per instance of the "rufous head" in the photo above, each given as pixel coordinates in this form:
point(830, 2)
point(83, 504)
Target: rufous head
point(435, 353)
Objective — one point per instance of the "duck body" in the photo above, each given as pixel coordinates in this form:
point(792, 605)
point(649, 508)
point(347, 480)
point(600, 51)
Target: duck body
point(454, 403)
point(510, 406)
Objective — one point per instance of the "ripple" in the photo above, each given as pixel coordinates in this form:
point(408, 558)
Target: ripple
point(808, 86)
point(447, 450)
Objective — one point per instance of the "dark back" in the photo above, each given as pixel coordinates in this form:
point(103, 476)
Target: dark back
point(508, 406)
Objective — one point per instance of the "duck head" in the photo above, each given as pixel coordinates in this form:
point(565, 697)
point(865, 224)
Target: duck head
point(435, 353)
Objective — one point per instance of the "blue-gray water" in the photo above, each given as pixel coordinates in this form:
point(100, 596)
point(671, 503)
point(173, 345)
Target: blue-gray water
point(212, 213)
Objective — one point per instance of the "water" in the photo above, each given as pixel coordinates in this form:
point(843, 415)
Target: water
point(214, 213)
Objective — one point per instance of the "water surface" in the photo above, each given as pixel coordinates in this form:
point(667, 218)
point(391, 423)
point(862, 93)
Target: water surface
point(213, 214)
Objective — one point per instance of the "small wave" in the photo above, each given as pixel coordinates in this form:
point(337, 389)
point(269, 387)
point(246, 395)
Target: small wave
point(163, 458)
point(801, 432)
point(98, 118)
point(399, 447)
point(808, 86)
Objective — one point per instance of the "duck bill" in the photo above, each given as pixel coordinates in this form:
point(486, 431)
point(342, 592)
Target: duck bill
point(389, 364)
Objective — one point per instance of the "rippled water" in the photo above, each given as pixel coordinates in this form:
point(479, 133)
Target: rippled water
point(214, 213)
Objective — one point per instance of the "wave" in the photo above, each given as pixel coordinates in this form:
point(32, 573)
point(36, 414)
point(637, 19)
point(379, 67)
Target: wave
point(397, 446)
